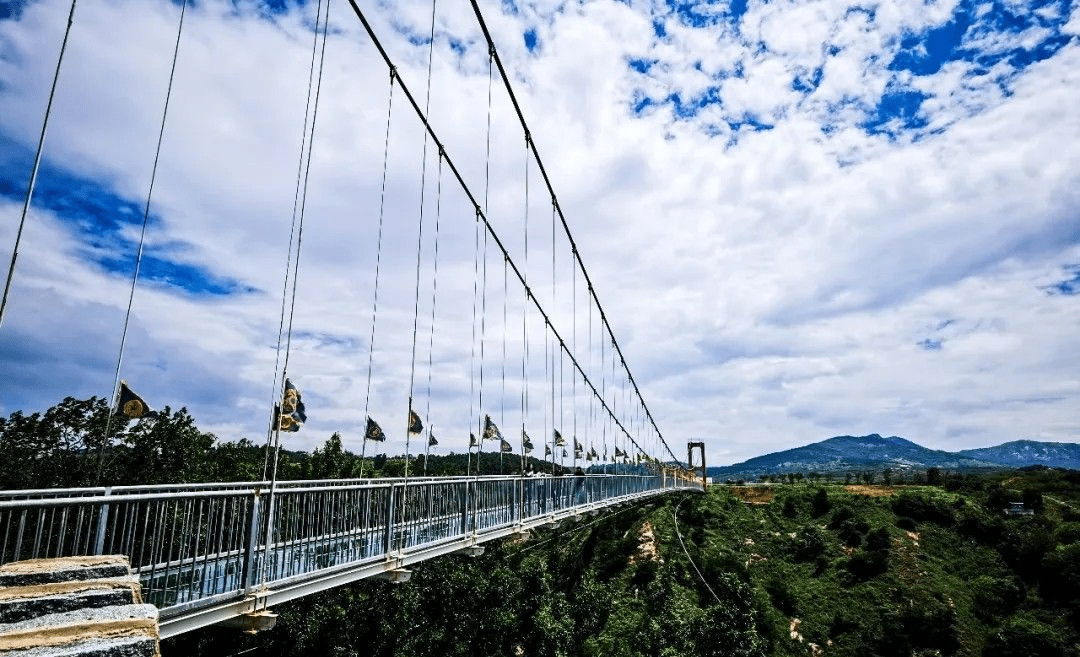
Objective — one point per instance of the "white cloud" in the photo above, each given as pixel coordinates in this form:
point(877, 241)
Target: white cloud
point(769, 288)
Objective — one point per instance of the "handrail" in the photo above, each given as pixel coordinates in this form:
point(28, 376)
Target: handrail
point(193, 544)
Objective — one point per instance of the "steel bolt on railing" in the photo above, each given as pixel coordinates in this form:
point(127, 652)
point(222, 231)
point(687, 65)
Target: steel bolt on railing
point(192, 545)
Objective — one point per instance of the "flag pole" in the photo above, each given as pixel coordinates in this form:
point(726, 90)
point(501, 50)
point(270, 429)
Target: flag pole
point(273, 487)
point(363, 448)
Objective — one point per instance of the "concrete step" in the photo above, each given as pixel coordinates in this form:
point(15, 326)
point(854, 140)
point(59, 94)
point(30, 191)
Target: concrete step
point(80, 606)
point(19, 603)
point(117, 647)
point(63, 569)
point(66, 630)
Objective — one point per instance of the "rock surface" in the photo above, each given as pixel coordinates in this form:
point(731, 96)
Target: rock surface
point(80, 606)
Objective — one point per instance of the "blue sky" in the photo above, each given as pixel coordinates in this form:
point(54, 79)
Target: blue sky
point(804, 219)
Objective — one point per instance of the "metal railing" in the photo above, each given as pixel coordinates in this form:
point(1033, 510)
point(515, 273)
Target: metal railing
point(192, 545)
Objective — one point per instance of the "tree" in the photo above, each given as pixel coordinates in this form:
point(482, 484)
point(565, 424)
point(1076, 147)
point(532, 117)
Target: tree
point(1022, 636)
point(59, 448)
point(332, 461)
point(166, 449)
point(933, 476)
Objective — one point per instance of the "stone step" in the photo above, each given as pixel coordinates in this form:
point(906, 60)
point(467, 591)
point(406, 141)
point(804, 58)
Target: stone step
point(65, 631)
point(19, 603)
point(63, 569)
point(116, 647)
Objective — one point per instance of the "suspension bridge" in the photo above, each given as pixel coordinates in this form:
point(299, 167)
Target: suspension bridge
point(208, 553)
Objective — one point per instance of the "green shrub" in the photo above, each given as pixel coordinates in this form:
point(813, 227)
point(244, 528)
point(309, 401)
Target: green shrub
point(929, 625)
point(904, 522)
point(820, 504)
point(980, 525)
point(924, 507)
point(994, 598)
point(1067, 532)
point(1059, 579)
point(851, 532)
point(1024, 636)
point(809, 544)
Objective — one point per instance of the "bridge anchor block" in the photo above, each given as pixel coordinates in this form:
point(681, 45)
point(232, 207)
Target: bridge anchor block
point(471, 551)
point(395, 576)
point(252, 623)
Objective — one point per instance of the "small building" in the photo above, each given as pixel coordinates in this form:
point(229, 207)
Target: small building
point(1018, 509)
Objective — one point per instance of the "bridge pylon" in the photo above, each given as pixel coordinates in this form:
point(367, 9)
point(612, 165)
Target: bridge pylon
point(700, 446)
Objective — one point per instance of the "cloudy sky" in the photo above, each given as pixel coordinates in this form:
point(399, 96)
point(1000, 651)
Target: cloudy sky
point(803, 219)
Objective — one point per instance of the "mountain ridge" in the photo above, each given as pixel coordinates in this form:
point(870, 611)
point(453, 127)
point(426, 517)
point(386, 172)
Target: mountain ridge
point(874, 452)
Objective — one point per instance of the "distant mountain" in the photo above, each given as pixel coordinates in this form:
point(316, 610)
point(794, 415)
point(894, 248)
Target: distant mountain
point(854, 453)
point(1020, 453)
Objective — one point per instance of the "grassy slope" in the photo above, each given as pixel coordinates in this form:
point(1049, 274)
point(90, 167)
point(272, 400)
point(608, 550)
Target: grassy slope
point(948, 579)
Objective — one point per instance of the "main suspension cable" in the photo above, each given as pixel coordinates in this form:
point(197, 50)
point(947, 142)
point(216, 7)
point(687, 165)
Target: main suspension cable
point(482, 217)
point(551, 190)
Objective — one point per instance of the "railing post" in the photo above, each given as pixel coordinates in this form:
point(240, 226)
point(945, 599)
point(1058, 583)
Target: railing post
point(251, 558)
point(102, 523)
point(519, 503)
point(465, 508)
point(388, 537)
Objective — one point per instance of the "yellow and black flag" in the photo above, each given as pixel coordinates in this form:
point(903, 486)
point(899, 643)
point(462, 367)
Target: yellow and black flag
point(131, 405)
point(491, 431)
point(374, 431)
point(415, 425)
point(559, 440)
point(292, 415)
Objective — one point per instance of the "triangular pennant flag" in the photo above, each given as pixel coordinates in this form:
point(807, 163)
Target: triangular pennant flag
point(293, 414)
point(559, 440)
point(577, 445)
point(374, 431)
point(564, 453)
point(431, 442)
point(415, 425)
point(547, 450)
point(473, 442)
point(491, 432)
point(130, 404)
point(287, 422)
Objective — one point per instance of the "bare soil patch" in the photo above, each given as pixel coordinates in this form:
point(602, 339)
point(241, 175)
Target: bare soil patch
point(872, 491)
point(753, 494)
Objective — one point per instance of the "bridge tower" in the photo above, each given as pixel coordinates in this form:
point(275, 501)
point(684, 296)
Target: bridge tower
point(700, 446)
